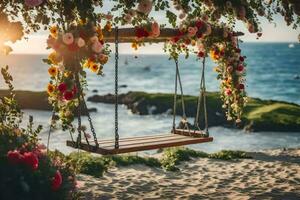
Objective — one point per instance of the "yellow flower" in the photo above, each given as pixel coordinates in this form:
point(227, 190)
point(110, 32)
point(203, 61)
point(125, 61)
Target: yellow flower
point(135, 46)
point(67, 74)
point(82, 22)
point(108, 26)
point(54, 58)
point(214, 55)
point(53, 71)
point(50, 89)
point(88, 63)
point(94, 68)
point(193, 42)
point(54, 31)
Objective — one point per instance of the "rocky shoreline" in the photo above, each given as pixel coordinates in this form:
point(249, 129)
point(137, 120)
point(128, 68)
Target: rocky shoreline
point(259, 115)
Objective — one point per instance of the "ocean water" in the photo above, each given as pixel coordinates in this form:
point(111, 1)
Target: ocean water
point(271, 74)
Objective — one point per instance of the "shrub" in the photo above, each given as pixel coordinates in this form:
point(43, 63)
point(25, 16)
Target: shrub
point(26, 171)
point(229, 155)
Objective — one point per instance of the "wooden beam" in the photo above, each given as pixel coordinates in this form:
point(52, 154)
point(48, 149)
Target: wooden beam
point(127, 35)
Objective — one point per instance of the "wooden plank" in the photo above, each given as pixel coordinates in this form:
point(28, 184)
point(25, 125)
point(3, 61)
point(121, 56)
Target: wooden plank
point(169, 138)
point(148, 146)
point(192, 133)
point(131, 138)
point(127, 35)
point(159, 145)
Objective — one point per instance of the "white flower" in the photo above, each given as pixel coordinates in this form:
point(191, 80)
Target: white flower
point(145, 6)
point(80, 42)
point(68, 38)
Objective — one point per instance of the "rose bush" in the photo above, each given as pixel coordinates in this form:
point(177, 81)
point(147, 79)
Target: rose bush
point(26, 170)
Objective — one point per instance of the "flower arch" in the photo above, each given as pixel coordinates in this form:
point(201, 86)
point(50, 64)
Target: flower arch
point(79, 30)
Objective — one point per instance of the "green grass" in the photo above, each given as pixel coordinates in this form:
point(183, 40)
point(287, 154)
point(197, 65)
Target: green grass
point(96, 166)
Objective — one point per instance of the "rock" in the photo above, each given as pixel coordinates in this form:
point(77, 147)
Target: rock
point(259, 115)
point(123, 86)
point(35, 100)
point(95, 91)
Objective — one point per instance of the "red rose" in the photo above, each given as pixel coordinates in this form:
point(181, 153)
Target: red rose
point(199, 24)
point(238, 50)
point(14, 157)
point(56, 181)
point(74, 90)
point(201, 54)
point(187, 41)
point(68, 95)
point(141, 32)
point(222, 53)
point(241, 86)
point(242, 58)
point(199, 35)
point(240, 68)
point(175, 39)
point(62, 87)
point(31, 160)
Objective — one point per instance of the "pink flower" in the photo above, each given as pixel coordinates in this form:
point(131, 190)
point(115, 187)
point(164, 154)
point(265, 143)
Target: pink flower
point(182, 15)
point(56, 181)
point(229, 69)
point(33, 3)
point(68, 38)
point(14, 157)
point(62, 87)
point(94, 39)
point(155, 29)
point(31, 160)
point(97, 47)
point(228, 92)
point(192, 31)
point(80, 42)
point(145, 6)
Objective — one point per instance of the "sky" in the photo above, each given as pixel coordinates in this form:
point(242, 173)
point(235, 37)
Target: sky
point(36, 43)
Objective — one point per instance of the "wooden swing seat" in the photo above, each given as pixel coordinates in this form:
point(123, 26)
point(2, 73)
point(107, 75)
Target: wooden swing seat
point(143, 143)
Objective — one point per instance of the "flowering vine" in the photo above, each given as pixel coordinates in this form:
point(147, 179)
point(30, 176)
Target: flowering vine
point(79, 47)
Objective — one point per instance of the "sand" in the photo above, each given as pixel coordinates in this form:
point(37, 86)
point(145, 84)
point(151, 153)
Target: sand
point(270, 175)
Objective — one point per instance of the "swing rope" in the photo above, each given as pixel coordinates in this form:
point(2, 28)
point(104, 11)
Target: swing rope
point(116, 87)
point(178, 80)
point(202, 96)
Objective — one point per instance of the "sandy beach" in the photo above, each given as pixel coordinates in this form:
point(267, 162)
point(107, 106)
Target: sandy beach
point(273, 174)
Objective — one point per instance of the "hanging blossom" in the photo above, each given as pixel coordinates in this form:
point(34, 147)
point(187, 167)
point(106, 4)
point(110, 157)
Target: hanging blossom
point(204, 39)
point(145, 6)
point(147, 30)
point(78, 48)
